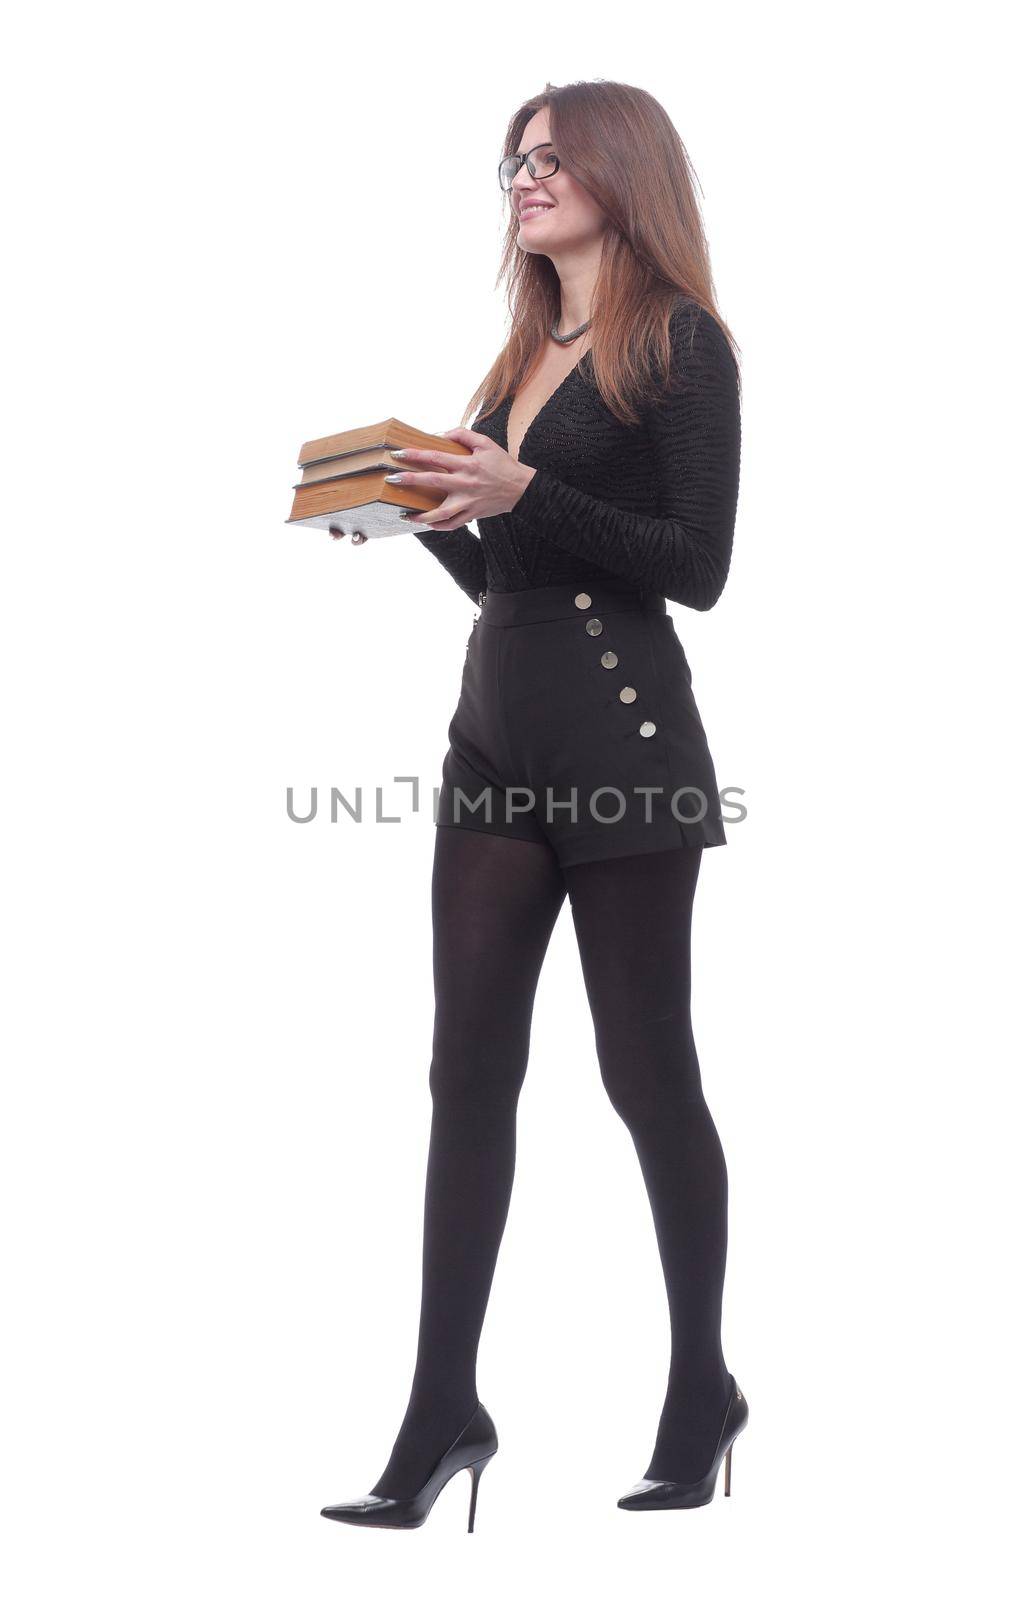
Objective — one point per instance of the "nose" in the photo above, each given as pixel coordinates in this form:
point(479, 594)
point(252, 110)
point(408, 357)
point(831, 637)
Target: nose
point(530, 187)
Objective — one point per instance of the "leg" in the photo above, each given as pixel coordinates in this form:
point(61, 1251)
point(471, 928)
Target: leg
point(632, 917)
point(494, 902)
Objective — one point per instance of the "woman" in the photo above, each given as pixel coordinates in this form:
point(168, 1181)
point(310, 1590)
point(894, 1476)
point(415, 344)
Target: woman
point(604, 479)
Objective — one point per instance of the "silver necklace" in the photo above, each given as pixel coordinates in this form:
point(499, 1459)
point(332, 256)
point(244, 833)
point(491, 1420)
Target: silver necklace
point(567, 338)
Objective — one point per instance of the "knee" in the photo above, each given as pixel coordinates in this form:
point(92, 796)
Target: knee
point(476, 1069)
point(650, 1070)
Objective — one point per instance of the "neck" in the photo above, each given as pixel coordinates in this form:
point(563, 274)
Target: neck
point(578, 274)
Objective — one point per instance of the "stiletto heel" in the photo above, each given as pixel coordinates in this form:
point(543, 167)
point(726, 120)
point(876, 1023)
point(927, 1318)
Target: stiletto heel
point(473, 1447)
point(661, 1494)
point(476, 1468)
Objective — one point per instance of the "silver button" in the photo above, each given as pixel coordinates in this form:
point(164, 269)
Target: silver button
point(610, 659)
point(627, 695)
point(647, 729)
point(583, 601)
point(593, 625)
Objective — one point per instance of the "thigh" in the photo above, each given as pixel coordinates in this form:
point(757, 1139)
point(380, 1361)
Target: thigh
point(495, 901)
point(632, 918)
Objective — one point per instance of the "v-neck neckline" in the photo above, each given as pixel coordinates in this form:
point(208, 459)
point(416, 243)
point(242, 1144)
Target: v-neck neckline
point(536, 418)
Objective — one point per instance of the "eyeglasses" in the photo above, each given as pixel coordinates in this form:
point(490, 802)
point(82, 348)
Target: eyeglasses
point(544, 165)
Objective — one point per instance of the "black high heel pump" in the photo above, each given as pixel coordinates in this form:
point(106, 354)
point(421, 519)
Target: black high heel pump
point(660, 1494)
point(472, 1448)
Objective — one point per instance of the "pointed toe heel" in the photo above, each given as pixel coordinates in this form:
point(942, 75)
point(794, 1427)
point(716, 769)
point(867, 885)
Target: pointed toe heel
point(472, 1448)
point(663, 1494)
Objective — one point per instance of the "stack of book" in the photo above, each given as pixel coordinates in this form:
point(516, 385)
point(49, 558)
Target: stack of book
point(342, 486)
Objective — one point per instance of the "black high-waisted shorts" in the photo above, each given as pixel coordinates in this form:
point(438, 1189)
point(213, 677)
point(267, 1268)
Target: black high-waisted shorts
point(576, 725)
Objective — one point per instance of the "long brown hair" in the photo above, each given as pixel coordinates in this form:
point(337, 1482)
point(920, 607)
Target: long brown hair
point(620, 144)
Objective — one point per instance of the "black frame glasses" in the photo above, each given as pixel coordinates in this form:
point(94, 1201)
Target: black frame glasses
point(525, 158)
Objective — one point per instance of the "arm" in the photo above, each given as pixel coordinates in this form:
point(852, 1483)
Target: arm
point(695, 430)
point(461, 554)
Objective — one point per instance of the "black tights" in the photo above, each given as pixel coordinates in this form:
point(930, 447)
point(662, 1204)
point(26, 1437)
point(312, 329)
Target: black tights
point(495, 902)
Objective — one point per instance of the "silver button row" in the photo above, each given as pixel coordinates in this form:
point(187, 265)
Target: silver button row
point(628, 695)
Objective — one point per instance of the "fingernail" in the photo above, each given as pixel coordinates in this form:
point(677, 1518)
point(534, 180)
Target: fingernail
point(396, 452)
point(393, 477)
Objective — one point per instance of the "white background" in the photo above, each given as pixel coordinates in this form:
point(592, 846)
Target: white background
point(234, 228)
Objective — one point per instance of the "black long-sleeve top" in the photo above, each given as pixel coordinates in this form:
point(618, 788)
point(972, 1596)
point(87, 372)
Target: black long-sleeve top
point(654, 502)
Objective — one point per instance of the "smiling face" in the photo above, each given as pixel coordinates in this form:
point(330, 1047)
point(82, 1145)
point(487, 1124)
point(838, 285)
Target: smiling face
point(556, 214)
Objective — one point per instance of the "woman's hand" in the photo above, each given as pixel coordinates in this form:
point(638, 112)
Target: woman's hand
point(484, 484)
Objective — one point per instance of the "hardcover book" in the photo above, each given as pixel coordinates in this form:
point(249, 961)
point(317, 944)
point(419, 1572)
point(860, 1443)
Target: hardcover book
point(342, 485)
